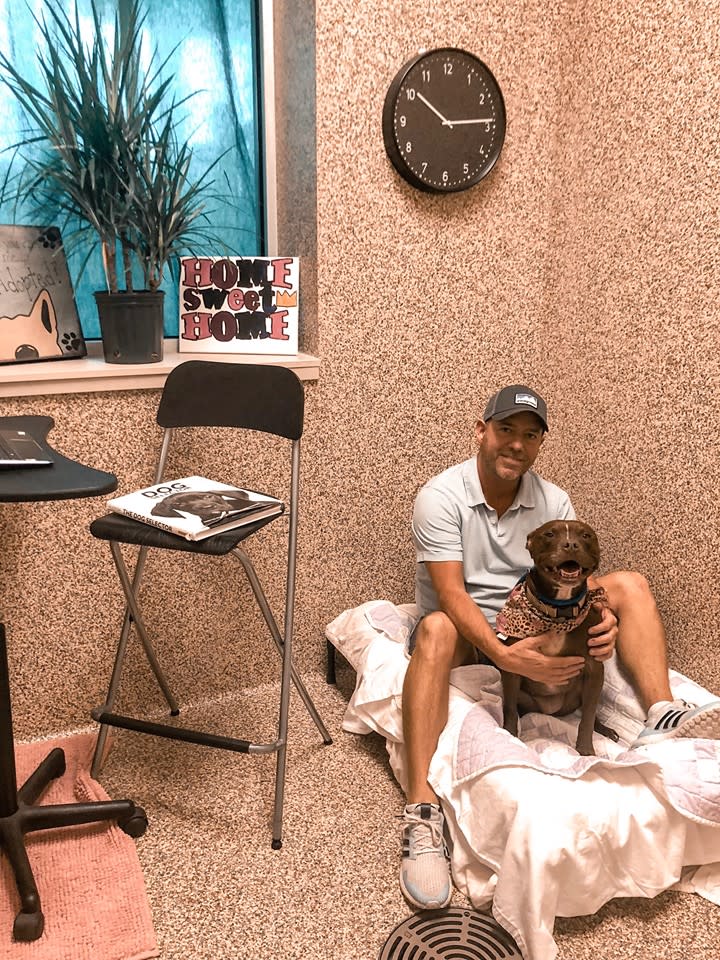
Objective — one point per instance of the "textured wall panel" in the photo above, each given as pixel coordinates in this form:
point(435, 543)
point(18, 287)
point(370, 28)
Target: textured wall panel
point(586, 264)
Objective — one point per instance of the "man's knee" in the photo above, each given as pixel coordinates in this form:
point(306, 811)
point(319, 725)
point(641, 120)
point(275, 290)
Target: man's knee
point(436, 639)
point(627, 587)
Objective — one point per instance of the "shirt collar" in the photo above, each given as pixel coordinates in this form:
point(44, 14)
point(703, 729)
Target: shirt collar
point(525, 497)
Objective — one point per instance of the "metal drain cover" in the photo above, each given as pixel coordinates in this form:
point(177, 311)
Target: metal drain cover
point(455, 933)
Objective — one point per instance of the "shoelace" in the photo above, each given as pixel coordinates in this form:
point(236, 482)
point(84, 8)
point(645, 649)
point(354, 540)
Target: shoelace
point(424, 843)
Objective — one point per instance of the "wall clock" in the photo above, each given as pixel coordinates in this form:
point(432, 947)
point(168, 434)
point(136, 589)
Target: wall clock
point(443, 120)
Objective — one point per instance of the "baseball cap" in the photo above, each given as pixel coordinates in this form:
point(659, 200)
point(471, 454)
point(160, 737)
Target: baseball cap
point(515, 399)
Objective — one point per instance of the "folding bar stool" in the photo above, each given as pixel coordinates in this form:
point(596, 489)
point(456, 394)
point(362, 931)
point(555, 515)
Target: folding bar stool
point(200, 393)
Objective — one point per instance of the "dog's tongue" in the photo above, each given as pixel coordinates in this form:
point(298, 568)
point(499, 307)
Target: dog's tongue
point(570, 570)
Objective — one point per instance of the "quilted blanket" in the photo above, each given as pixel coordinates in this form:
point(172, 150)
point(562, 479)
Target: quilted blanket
point(537, 831)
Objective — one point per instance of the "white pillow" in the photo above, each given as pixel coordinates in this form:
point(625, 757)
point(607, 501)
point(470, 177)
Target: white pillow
point(354, 630)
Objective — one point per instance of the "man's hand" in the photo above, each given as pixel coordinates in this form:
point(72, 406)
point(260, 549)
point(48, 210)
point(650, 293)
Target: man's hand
point(525, 658)
point(602, 637)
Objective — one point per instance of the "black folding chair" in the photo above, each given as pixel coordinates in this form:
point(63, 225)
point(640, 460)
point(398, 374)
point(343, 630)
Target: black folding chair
point(200, 393)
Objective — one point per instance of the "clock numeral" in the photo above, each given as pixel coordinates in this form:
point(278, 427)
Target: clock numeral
point(469, 76)
point(448, 68)
point(410, 93)
point(482, 99)
point(426, 75)
point(445, 176)
point(424, 166)
point(403, 120)
point(408, 146)
point(466, 168)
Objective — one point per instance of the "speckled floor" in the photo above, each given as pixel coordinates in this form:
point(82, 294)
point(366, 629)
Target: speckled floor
point(219, 892)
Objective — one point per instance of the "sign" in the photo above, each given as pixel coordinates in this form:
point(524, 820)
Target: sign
point(38, 316)
point(239, 305)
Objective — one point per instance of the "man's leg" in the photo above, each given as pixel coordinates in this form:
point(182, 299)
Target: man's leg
point(425, 875)
point(438, 648)
point(642, 651)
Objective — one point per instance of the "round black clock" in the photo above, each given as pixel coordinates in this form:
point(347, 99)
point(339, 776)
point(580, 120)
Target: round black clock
point(444, 120)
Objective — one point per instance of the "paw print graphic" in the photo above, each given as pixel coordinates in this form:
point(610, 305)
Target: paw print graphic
point(50, 238)
point(71, 342)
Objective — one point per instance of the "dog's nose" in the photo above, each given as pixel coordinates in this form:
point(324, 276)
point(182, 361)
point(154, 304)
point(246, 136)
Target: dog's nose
point(27, 351)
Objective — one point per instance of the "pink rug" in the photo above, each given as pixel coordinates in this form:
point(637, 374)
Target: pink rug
point(89, 877)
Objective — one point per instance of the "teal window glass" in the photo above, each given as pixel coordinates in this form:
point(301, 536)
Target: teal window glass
point(213, 48)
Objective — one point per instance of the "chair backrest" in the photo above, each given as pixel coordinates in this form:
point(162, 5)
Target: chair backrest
point(207, 393)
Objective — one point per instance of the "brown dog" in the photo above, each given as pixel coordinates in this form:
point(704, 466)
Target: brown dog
point(554, 596)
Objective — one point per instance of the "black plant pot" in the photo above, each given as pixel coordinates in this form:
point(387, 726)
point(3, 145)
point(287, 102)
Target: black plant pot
point(131, 324)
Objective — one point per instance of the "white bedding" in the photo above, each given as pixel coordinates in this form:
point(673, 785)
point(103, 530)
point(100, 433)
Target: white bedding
point(535, 829)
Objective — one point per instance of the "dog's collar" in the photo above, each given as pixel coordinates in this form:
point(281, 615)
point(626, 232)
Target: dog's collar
point(571, 608)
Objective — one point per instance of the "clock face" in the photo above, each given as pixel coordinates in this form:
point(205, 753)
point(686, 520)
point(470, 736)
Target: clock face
point(444, 120)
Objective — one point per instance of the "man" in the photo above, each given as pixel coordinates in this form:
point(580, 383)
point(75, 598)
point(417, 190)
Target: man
point(470, 526)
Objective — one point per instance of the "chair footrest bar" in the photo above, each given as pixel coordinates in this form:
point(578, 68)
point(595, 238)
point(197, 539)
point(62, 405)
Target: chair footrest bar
point(182, 733)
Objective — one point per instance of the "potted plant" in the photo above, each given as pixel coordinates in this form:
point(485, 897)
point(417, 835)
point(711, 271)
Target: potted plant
point(111, 165)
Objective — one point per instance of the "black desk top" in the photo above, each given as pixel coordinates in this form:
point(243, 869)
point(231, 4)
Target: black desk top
point(64, 480)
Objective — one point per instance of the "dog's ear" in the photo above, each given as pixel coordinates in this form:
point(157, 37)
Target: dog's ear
point(236, 503)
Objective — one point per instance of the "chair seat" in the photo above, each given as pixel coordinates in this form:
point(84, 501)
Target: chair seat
point(114, 526)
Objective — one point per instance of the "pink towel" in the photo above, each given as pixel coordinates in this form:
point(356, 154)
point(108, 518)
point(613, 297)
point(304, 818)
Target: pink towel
point(89, 877)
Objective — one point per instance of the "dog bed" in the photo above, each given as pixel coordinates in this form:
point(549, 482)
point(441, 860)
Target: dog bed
point(535, 829)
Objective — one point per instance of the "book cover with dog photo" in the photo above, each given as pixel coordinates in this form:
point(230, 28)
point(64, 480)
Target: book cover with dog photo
point(38, 315)
point(195, 507)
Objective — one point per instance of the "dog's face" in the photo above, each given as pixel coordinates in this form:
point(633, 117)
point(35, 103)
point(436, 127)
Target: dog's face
point(564, 552)
point(31, 336)
point(206, 504)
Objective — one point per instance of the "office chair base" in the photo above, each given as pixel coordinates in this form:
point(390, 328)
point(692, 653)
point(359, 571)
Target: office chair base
point(28, 926)
point(27, 817)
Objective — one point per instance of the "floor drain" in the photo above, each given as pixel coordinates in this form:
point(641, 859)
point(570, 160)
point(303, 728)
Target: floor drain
point(455, 933)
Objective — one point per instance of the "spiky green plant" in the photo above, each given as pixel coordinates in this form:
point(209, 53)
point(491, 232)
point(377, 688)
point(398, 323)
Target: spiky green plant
point(110, 159)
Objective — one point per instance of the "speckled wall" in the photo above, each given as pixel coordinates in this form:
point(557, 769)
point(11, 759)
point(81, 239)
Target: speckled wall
point(586, 264)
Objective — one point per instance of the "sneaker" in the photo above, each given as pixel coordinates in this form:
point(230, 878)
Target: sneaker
point(425, 872)
point(681, 719)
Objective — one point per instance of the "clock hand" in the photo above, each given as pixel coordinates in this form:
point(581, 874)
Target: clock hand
point(436, 112)
point(454, 123)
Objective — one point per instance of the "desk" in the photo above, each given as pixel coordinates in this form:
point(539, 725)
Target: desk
point(64, 480)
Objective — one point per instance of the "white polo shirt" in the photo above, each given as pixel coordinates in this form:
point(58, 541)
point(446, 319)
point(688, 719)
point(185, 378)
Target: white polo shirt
point(452, 521)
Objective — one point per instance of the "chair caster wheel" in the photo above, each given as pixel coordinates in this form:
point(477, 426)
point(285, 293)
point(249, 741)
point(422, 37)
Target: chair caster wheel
point(136, 824)
point(28, 926)
point(276, 844)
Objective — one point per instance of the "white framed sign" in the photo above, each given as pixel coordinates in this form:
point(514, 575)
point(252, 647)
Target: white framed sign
point(239, 305)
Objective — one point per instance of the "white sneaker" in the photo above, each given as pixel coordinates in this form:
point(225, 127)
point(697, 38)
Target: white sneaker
point(682, 719)
point(425, 872)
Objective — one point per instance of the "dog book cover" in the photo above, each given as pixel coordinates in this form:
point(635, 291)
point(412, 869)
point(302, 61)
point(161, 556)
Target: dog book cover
point(195, 507)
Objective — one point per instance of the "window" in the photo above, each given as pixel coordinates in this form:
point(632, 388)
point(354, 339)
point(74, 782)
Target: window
point(214, 52)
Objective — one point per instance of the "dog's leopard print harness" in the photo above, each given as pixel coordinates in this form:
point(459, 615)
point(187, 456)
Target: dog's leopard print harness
point(525, 615)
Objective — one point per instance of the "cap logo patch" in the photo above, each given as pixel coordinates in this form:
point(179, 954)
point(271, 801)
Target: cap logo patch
point(526, 398)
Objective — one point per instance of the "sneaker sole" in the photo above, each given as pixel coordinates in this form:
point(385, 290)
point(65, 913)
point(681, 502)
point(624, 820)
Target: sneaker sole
point(703, 726)
point(428, 905)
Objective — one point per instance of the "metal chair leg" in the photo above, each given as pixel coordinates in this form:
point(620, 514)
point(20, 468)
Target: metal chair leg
point(257, 589)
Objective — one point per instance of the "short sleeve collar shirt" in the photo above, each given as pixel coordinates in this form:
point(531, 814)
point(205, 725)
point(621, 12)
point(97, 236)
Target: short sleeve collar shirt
point(453, 521)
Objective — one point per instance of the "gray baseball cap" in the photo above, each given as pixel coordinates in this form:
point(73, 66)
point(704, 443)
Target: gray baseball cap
point(515, 399)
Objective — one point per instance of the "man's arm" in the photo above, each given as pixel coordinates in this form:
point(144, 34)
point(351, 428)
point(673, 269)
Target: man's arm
point(523, 657)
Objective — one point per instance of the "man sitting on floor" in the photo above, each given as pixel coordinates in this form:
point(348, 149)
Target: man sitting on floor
point(470, 526)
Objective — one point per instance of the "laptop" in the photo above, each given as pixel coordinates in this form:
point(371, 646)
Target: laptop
point(19, 449)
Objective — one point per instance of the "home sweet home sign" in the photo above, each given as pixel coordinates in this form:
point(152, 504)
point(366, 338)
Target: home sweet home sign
point(239, 305)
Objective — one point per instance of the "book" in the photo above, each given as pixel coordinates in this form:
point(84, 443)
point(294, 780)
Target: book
point(196, 507)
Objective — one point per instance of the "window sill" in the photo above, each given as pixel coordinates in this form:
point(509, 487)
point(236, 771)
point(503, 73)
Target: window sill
point(92, 375)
